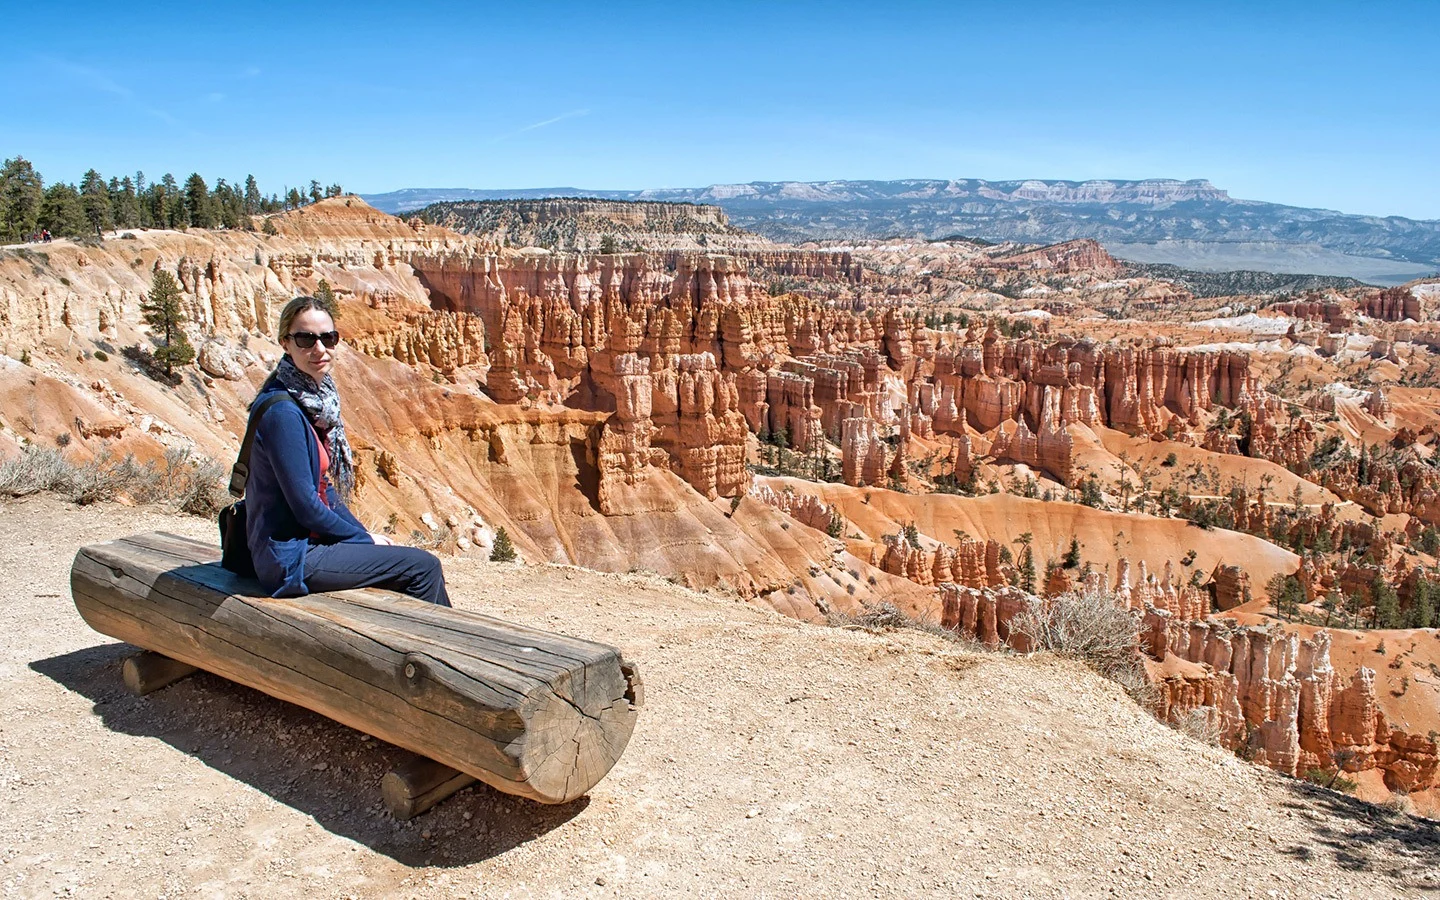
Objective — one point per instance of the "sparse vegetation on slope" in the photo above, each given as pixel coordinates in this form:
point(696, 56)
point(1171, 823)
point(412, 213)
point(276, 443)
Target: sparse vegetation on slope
point(182, 481)
point(1241, 282)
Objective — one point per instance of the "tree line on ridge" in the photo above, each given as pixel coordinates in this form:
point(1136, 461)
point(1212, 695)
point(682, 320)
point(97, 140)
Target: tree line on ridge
point(28, 207)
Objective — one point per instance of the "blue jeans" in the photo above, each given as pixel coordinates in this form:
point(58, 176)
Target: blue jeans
point(409, 570)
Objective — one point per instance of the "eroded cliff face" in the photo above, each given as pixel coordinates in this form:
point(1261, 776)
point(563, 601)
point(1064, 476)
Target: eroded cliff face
point(1276, 695)
point(803, 368)
point(1270, 694)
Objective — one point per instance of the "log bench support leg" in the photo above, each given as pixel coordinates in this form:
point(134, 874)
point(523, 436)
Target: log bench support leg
point(146, 672)
point(417, 784)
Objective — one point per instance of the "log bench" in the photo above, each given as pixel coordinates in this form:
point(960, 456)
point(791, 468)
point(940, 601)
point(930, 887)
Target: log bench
point(525, 711)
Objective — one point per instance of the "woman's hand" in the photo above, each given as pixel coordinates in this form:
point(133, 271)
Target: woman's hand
point(381, 540)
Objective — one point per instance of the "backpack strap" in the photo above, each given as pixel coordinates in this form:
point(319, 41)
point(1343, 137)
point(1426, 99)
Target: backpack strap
point(240, 472)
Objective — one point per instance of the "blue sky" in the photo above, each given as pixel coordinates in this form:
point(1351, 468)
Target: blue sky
point(1313, 104)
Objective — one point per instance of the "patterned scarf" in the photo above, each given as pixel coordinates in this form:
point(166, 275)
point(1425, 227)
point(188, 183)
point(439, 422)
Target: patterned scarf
point(322, 405)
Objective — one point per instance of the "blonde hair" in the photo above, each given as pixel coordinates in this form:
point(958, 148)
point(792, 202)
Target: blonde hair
point(299, 305)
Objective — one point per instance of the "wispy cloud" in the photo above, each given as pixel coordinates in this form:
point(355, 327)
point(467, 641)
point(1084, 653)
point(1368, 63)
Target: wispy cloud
point(99, 81)
point(214, 97)
point(249, 71)
point(572, 114)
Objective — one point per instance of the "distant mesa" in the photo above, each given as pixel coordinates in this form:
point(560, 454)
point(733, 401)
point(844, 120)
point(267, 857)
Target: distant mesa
point(1191, 224)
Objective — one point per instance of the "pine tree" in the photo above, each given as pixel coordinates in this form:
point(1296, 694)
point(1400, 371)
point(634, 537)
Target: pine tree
point(1027, 571)
point(315, 194)
point(325, 294)
point(1422, 607)
point(124, 204)
point(503, 551)
point(252, 196)
point(1286, 594)
point(227, 205)
point(161, 308)
point(62, 212)
point(199, 211)
point(1072, 556)
point(95, 197)
point(141, 186)
point(1386, 612)
point(172, 204)
point(21, 194)
point(912, 535)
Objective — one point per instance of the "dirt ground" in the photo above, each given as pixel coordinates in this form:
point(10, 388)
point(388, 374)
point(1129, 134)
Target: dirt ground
point(772, 759)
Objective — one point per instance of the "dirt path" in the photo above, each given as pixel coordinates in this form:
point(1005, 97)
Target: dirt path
point(773, 759)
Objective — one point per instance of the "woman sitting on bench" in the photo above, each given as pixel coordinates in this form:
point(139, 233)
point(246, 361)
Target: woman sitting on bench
point(301, 535)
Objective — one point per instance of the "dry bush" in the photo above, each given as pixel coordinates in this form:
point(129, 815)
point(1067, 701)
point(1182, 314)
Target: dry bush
point(186, 483)
point(879, 616)
point(1091, 625)
point(886, 616)
point(435, 541)
point(1398, 803)
point(1088, 624)
point(193, 484)
point(105, 478)
point(36, 469)
point(1198, 724)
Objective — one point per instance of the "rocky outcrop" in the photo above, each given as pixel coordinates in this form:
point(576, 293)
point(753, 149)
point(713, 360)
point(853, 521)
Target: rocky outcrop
point(985, 614)
point(807, 509)
point(1279, 697)
point(1230, 586)
point(1336, 315)
point(1133, 388)
point(1082, 255)
point(586, 224)
point(218, 358)
point(1182, 601)
point(1377, 404)
point(1393, 305)
point(442, 340)
point(699, 424)
point(1289, 444)
point(865, 458)
point(625, 455)
point(971, 564)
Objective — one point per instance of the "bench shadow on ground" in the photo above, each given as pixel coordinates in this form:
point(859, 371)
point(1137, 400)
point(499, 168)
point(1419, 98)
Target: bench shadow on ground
point(302, 759)
point(1364, 837)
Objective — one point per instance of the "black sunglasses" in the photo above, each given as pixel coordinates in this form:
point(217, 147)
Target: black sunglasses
point(305, 340)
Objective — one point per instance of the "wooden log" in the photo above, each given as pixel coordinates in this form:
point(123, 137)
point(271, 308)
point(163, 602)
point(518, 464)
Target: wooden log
point(417, 784)
point(146, 672)
point(525, 711)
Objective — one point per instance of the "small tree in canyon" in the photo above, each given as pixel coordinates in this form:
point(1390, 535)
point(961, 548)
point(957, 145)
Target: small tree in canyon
point(161, 308)
point(325, 294)
point(503, 550)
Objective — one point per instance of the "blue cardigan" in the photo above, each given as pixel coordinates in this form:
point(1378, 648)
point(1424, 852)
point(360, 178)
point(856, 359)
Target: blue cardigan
point(282, 504)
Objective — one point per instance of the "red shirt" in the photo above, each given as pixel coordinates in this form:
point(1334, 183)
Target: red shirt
point(324, 469)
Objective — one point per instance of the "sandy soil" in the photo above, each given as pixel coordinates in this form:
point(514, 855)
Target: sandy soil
point(773, 759)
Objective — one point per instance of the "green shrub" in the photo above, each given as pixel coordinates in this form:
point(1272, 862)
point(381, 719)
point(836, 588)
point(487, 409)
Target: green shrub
point(1331, 778)
point(503, 550)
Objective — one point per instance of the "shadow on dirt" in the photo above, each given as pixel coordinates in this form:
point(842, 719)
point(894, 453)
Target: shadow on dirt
point(1365, 837)
point(301, 759)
